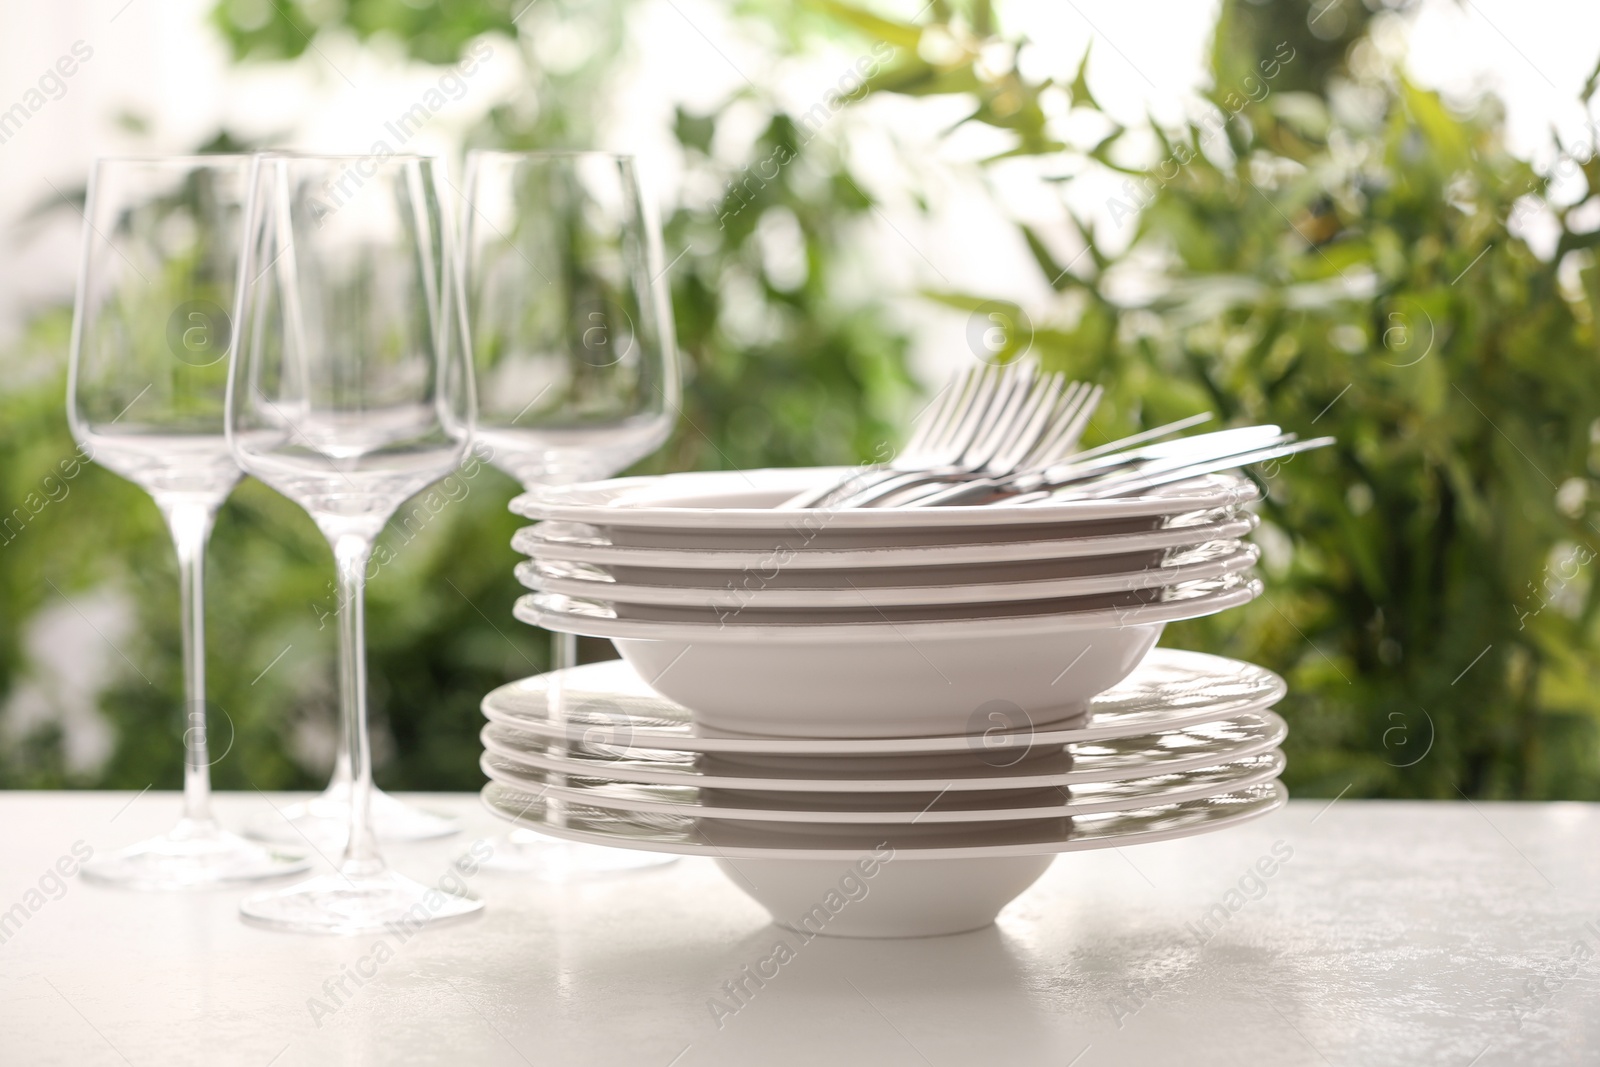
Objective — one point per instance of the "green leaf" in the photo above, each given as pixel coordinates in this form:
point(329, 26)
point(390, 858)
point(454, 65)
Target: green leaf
point(900, 34)
point(1054, 273)
point(694, 131)
point(983, 23)
point(1078, 91)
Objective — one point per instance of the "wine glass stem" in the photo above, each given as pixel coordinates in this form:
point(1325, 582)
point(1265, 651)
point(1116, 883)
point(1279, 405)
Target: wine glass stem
point(563, 654)
point(564, 649)
point(190, 524)
point(351, 552)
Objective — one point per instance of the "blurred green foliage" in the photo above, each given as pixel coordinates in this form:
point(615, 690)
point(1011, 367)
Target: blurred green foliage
point(1332, 249)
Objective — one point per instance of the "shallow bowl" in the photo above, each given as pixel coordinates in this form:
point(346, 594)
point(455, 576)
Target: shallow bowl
point(893, 687)
point(905, 677)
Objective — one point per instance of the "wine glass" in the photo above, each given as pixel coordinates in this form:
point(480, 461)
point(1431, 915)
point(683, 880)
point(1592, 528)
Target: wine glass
point(574, 353)
point(145, 398)
point(351, 390)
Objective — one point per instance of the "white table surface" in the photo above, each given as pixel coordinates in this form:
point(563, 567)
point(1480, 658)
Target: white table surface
point(1398, 933)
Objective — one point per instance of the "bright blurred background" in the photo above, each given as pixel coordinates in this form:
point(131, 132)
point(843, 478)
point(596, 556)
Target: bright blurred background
point(1372, 219)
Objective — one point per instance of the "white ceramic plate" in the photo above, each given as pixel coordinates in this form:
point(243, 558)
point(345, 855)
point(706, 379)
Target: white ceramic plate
point(576, 543)
point(594, 617)
point(710, 503)
point(888, 679)
point(660, 833)
point(892, 808)
point(1209, 561)
point(1169, 752)
point(609, 704)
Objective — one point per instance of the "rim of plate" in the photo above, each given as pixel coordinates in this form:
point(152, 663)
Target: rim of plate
point(1223, 560)
point(529, 543)
point(606, 503)
point(1254, 802)
point(528, 609)
point(1275, 688)
point(1252, 770)
point(1273, 731)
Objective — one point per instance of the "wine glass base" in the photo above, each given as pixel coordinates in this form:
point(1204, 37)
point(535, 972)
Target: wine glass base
point(524, 853)
point(192, 856)
point(325, 821)
point(354, 903)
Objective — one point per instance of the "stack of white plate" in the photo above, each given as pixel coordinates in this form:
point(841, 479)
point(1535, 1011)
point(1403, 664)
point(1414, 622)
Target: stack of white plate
point(882, 722)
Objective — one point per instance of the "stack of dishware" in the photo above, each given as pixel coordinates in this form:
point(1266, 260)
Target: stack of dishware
point(945, 697)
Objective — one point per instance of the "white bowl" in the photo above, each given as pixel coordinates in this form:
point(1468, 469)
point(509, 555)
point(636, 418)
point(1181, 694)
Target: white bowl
point(902, 898)
point(892, 686)
point(889, 679)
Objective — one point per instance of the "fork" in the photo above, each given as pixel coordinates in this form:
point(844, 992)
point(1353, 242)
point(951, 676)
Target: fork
point(1130, 479)
point(1040, 430)
point(944, 430)
point(986, 420)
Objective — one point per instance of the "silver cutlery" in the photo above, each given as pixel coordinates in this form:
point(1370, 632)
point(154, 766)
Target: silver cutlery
point(989, 422)
point(1150, 475)
point(1086, 467)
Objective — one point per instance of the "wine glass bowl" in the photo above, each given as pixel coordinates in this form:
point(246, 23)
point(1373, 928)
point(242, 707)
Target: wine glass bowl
point(571, 328)
point(345, 408)
point(152, 330)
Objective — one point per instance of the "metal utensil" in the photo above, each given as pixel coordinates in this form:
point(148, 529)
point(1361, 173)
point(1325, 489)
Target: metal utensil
point(1050, 431)
point(988, 421)
point(1054, 450)
point(1130, 486)
point(946, 428)
point(1175, 453)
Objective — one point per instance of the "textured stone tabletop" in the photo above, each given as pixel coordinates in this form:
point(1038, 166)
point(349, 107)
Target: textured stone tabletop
point(1385, 933)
